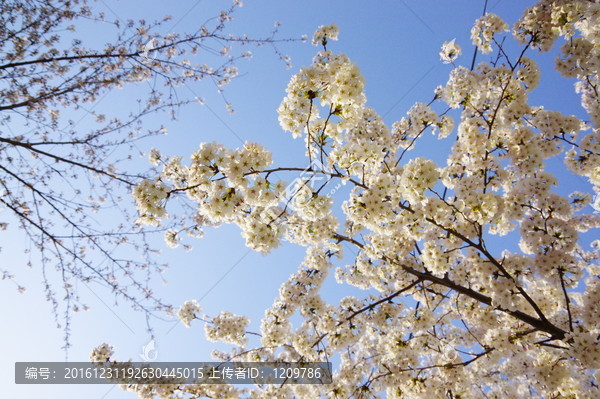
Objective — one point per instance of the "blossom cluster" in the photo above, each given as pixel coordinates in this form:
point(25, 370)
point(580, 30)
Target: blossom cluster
point(334, 81)
point(444, 311)
point(227, 327)
point(150, 196)
point(188, 312)
point(450, 51)
point(102, 353)
point(324, 33)
point(484, 29)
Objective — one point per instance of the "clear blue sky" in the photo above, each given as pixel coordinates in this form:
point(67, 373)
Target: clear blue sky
point(396, 45)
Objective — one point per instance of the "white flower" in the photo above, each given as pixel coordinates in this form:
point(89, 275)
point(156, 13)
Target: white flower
point(450, 51)
point(171, 238)
point(188, 312)
point(324, 33)
point(101, 354)
point(149, 197)
point(484, 29)
point(154, 157)
point(227, 327)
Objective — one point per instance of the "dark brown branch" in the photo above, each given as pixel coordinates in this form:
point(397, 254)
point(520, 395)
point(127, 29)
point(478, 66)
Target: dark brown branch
point(539, 324)
point(561, 275)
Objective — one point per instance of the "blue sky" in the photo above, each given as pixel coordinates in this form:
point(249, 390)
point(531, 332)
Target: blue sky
point(396, 45)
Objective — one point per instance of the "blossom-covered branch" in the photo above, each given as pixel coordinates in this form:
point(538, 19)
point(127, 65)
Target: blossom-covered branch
point(443, 314)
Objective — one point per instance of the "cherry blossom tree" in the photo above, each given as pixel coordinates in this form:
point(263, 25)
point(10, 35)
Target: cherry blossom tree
point(61, 181)
point(444, 315)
